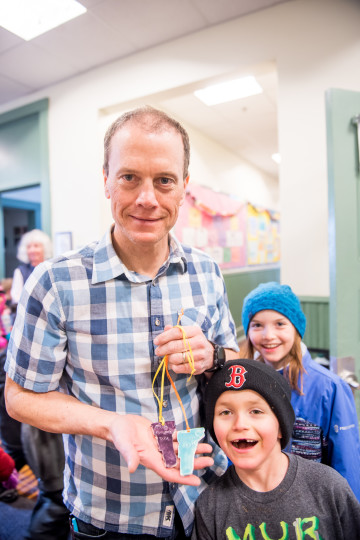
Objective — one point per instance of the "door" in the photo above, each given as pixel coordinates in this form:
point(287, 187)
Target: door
point(20, 211)
point(16, 223)
point(342, 110)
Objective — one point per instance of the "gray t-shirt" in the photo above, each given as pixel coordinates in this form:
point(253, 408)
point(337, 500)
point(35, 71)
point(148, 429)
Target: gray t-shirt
point(313, 501)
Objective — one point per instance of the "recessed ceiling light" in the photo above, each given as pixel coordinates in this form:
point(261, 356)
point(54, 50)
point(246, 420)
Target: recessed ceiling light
point(31, 18)
point(229, 91)
point(277, 158)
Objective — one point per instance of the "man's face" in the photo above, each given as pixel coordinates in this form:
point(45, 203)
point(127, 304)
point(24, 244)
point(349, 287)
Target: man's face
point(145, 184)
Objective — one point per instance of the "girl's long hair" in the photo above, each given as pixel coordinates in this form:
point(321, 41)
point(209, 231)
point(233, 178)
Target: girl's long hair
point(294, 368)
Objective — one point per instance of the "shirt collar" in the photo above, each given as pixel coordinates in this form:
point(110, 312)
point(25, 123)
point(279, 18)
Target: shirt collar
point(177, 254)
point(107, 265)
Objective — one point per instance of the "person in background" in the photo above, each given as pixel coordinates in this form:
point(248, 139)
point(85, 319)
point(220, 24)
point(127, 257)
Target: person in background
point(10, 309)
point(103, 317)
point(266, 492)
point(326, 424)
point(8, 472)
point(8, 478)
point(5, 325)
point(10, 429)
point(42, 450)
point(34, 247)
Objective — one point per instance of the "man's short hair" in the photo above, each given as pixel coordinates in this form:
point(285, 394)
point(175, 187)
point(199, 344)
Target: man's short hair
point(154, 120)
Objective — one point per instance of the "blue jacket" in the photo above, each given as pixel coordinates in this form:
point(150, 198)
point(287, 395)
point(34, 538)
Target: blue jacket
point(326, 426)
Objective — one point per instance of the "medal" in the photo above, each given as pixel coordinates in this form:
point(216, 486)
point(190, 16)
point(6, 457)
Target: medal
point(163, 435)
point(187, 439)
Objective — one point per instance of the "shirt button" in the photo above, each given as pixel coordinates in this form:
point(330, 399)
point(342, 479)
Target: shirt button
point(157, 322)
point(165, 403)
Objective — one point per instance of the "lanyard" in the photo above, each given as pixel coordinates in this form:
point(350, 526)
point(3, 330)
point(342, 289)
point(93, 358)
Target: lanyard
point(163, 367)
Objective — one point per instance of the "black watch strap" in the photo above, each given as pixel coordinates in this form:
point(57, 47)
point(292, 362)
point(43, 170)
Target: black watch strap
point(219, 358)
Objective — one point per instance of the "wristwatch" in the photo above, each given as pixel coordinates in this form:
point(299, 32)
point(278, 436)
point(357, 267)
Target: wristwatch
point(219, 358)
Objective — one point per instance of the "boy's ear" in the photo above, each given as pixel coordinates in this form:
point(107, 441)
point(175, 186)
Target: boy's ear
point(279, 434)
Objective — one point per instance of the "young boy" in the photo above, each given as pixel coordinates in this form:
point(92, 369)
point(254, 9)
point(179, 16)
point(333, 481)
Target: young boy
point(266, 493)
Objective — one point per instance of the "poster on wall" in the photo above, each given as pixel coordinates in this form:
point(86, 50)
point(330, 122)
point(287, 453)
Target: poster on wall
point(234, 234)
point(214, 223)
point(263, 236)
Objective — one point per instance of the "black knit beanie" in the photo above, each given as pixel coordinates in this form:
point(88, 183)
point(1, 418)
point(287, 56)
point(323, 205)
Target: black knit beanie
point(252, 375)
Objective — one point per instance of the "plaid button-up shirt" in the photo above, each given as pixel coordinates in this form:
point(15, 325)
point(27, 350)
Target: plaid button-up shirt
point(86, 325)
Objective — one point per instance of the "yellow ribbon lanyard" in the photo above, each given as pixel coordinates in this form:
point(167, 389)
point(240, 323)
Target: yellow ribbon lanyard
point(164, 367)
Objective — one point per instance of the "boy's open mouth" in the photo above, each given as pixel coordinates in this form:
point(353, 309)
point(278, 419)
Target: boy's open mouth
point(241, 444)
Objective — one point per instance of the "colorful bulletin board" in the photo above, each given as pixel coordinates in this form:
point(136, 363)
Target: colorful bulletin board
point(235, 234)
point(263, 236)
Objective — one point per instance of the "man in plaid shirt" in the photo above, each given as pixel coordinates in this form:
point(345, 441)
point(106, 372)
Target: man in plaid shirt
point(92, 327)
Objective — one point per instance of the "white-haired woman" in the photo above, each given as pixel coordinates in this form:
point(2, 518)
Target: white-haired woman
point(34, 247)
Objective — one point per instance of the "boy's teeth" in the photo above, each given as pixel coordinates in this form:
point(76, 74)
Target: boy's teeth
point(243, 442)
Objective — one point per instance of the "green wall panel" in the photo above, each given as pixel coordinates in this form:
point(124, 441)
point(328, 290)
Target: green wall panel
point(24, 159)
point(317, 334)
point(342, 107)
point(21, 153)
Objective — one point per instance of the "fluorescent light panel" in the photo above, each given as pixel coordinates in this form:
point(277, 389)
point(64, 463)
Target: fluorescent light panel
point(31, 18)
point(229, 91)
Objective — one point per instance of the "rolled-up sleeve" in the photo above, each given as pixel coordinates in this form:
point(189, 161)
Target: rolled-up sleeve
point(38, 344)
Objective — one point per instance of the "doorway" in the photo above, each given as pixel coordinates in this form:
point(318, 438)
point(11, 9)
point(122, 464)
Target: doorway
point(20, 212)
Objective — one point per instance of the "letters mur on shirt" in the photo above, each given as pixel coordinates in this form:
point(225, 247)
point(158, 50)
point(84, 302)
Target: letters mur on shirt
point(304, 528)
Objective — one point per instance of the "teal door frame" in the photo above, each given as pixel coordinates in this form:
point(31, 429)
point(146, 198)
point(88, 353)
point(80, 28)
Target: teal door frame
point(22, 205)
point(35, 114)
point(344, 229)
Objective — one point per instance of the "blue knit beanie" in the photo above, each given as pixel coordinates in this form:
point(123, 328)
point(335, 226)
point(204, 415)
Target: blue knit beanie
point(276, 297)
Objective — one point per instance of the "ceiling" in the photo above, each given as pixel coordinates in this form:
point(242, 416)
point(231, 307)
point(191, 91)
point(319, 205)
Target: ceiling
point(113, 29)
point(247, 127)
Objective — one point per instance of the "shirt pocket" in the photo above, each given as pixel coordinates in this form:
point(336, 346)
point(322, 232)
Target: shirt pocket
point(197, 316)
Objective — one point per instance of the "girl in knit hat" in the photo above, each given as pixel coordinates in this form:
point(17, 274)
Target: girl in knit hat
point(326, 424)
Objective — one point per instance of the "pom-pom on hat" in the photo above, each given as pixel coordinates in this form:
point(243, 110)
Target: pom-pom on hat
point(276, 297)
point(252, 375)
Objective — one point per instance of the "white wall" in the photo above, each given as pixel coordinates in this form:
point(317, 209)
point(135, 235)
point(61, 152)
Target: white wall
point(329, 57)
point(316, 45)
point(216, 167)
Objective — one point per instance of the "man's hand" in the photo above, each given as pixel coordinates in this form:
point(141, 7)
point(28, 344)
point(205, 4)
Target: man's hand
point(133, 437)
point(131, 434)
point(171, 342)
